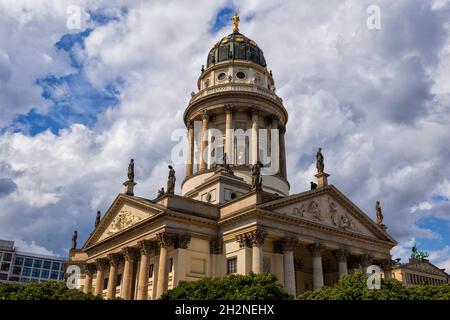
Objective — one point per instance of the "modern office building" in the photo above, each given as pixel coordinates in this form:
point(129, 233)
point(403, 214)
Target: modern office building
point(22, 267)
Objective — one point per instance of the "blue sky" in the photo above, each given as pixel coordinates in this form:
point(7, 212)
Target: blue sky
point(76, 105)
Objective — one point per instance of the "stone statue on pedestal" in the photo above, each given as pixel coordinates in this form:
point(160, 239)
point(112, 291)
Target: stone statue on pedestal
point(379, 214)
point(313, 185)
point(256, 176)
point(161, 192)
point(171, 181)
point(97, 218)
point(320, 161)
point(74, 239)
point(131, 171)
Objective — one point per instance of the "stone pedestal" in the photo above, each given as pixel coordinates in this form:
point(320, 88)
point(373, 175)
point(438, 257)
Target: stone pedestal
point(322, 180)
point(129, 186)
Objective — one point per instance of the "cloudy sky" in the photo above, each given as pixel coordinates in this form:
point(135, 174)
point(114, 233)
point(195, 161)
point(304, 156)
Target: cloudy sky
point(78, 101)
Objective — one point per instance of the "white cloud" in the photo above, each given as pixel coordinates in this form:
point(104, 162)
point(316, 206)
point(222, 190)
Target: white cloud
point(365, 96)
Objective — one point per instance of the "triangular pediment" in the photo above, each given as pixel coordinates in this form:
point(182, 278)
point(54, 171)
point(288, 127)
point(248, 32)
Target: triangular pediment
point(124, 213)
point(328, 207)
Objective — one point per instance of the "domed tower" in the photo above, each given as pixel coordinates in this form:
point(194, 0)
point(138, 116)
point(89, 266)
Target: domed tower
point(234, 121)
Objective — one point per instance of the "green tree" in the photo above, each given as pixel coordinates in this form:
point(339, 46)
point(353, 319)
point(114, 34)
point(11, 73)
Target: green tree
point(354, 287)
point(43, 291)
point(230, 287)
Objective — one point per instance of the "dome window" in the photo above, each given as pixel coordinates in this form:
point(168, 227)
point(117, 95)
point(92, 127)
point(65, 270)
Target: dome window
point(240, 75)
point(221, 76)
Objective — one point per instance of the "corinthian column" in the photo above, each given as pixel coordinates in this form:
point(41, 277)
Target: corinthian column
point(257, 241)
point(114, 260)
point(366, 261)
point(255, 128)
point(204, 141)
point(287, 247)
point(101, 266)
point(165, 240)
point(316, 252)
point(90, 269)
point(129, 255)
point(190, 150)
point(341, 256)
point(229, 133)
point(283, 171)
point(146, 246)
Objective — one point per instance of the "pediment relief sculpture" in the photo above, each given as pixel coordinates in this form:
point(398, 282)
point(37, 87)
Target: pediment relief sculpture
point(326, 210)
point(314, 209)
point(122, 221)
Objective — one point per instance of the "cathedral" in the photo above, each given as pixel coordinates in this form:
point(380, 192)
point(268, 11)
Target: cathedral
point(235, 213)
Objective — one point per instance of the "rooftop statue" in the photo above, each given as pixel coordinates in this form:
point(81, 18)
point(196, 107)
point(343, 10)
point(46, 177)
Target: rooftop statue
point(416, 254)
point(171, 180)
point(236, 23)
point(131, 171)
point(74, 239)
point(379, 214)
point(319, 161)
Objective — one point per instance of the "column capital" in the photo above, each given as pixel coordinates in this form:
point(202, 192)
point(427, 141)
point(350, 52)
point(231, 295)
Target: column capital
point(315, 249)
point(254, 110)
point(147, 246)
point(216, 246)
point(114, 259)
point(205, 115)
point(366, 259)
point(285, 244)
point(181, 241)
point(341, 254)
point(257, 237)
point(101, 264)
point(91, 268)
point(273, 120)
point(129, 253)
point(386, 264)
point(190, 124)
point(228, 108)
point(243, 240)
point(166, 239)
point(282, 129)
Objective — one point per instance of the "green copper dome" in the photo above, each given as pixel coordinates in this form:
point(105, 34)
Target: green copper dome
point(236, 46)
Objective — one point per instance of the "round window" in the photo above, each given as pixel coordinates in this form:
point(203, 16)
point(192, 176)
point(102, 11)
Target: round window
point(240, 75)
point(221, 76)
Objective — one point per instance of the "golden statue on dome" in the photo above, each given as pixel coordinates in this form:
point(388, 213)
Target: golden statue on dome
point(236, 23)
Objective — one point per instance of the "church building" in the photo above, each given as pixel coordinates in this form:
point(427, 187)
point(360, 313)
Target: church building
point(235, 213)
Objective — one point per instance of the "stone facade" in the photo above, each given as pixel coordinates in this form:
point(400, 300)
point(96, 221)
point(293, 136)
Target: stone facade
point(418, 272)
point(220, 224)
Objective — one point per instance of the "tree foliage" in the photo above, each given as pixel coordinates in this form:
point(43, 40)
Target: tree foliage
point(43, 291)
point(354, 287)
point(230, 287)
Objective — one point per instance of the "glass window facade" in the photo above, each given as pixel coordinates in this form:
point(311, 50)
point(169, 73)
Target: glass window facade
point(7, 256)
point(56, 266)
point(5, 266)
point(54, 275)
point(47, 264)
point(28, 262)
point(26, 272)
point(19, 261)
point(37, 263)
point(17, 270)
point(36, 273)
point(44, 274)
